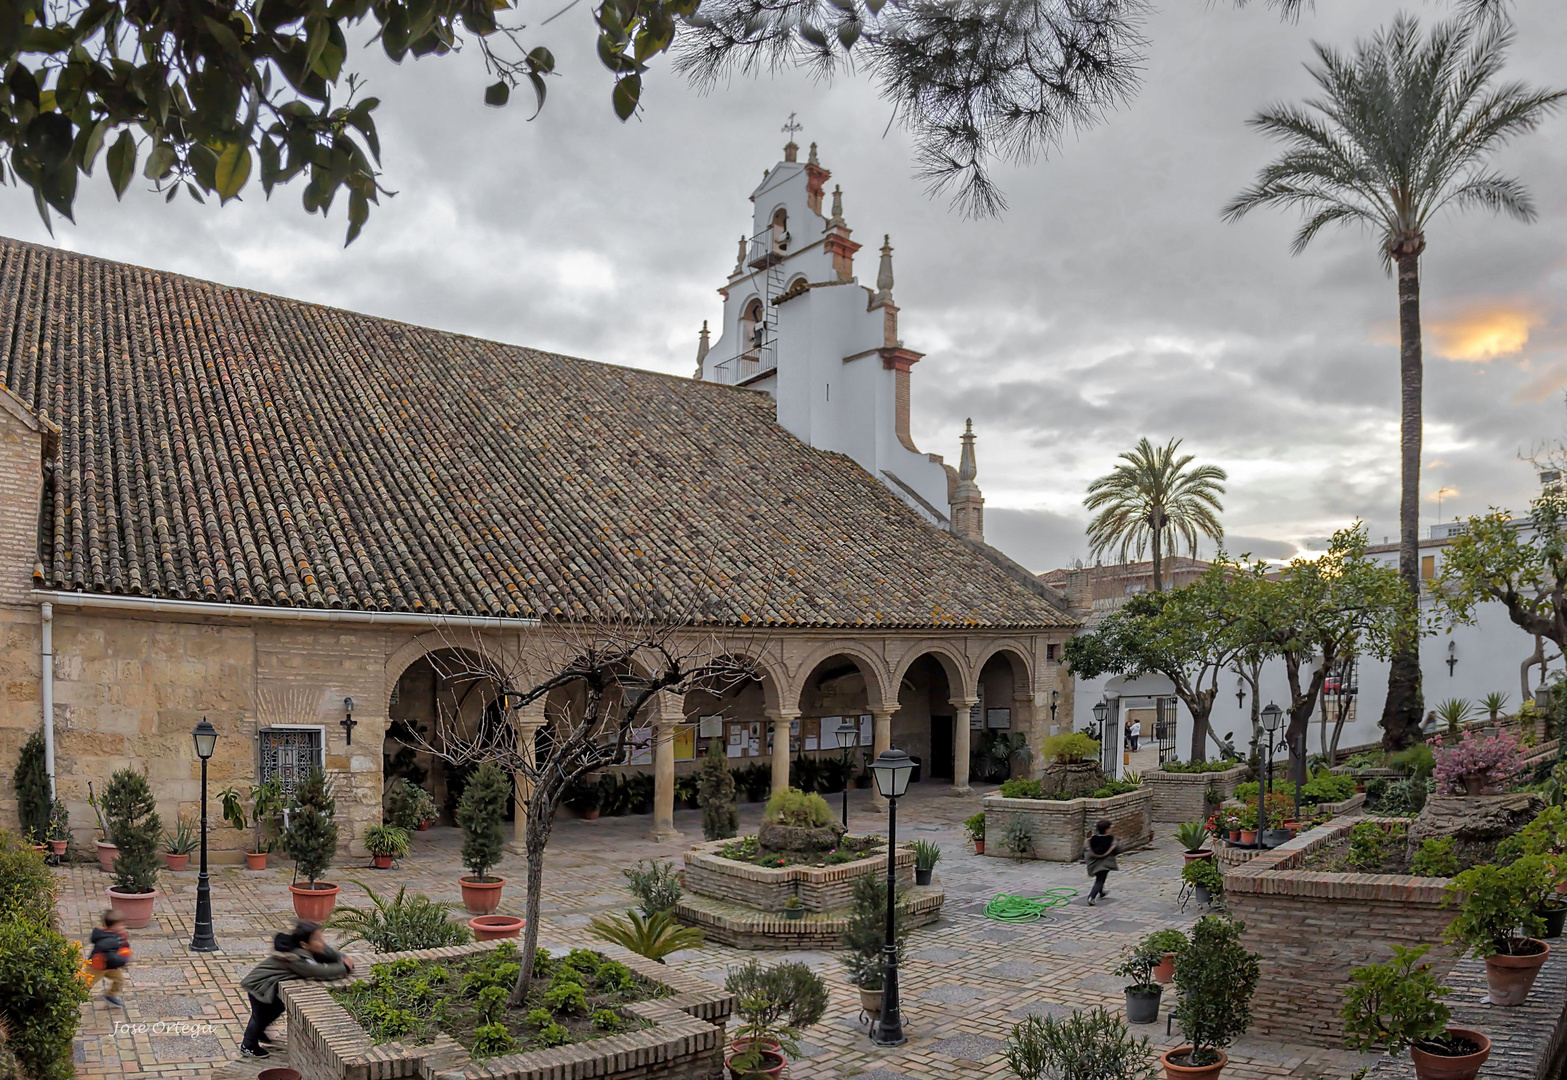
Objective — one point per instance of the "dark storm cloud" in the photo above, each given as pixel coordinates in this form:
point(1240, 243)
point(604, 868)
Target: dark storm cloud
point(1109, 304)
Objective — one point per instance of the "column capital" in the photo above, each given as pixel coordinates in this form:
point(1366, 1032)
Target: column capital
point(883, 710)
point(776, 715)
point(963, 702)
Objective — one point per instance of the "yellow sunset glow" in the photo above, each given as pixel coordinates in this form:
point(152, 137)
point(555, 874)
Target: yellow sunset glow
point(1483, 335)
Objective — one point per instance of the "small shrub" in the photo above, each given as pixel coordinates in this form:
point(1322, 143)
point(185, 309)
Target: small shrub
point(1494, 760)
point(135, 829)
point(1202, 873)
point(716, 794)
point(1216, 978)
point(27, 887)
point(614, 977)
point(866, 934)
point(654, 937)
point(400, 924)
point(1496, 906)
point(491, 1039)
point(791, 806)
point(655, 884)
point(1435, 858)
point(606, 1020)
point(566, 996)
point(1067, 749)
point(40, 971)
point(538, 1018)
point(1367, 845)
point(1020, 787)
point(1394, 1004)
point(1416, 760)
point(553, 1034)
point(408, 805)
point(1091, 1045)
point(974, 827)
point(1327, 787)
point(311, 837)
point(481, 812)
point(33, 802)
point(387, 840)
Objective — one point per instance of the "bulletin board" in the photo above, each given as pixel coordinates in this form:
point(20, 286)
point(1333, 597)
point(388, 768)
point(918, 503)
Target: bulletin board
point(998, 718)
point(685, 742)
point(811, 731)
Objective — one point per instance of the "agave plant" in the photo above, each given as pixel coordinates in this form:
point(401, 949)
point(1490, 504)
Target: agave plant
point(1192, 835)
point(654, 937)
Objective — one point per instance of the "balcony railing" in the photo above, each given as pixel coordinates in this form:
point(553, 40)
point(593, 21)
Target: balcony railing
point(746, 366)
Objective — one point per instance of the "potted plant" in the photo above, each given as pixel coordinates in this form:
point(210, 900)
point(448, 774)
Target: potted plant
point(865, 938)
point(1215, 978)
point(266, 804)
point(106, 849)
point(974, 828)
point(585, 797)
point(793, 909)
point(385, 843)
point(409, 806)
point(1205, 879)
point(775, 1006)
point(926, 855)
point(1142, 996)
point(1395, 1005)
point(1168, 943)
point(1476, 764)
point(481, 813)
point(1496, 920)
point(59, 828)
point(311, 841)
point(177, 848)
point(1248, 823)
point(133, 823)
point(1087, 1045)
point(1192, 836)
point(1545, 836)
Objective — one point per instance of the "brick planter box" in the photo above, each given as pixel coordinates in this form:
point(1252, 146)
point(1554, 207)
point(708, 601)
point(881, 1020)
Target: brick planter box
point(820, 889)
point(1179, 796)
point(1310, 929)
point(686, 1041)
point(1060, 828)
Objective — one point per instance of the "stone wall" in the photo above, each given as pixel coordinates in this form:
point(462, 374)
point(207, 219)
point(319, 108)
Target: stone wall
point(1061, 827)
point(1178, 796)
point(1310, 929)
point(686, 1041)
point(820, 889)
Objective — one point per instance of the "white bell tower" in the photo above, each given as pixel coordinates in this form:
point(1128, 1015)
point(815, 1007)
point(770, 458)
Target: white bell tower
point(799, 326)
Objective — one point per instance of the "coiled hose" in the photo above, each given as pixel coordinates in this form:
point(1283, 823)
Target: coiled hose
point(1008, 908)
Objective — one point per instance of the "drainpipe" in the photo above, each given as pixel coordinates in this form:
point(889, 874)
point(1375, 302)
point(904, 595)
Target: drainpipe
point(46, 691)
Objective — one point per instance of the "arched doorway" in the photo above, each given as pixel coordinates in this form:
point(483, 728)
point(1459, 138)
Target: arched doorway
point(1003, 742)
point(837, 692)
point(924, 726)
point(443, 691)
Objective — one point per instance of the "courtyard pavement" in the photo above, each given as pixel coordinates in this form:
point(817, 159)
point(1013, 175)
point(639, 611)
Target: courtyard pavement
point(968, 979)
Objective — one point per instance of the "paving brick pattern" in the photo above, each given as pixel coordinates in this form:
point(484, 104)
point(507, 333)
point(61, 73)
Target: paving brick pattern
point(966, 982)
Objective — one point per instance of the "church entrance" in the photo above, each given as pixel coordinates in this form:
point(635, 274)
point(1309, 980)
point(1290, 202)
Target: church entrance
point(941, 747)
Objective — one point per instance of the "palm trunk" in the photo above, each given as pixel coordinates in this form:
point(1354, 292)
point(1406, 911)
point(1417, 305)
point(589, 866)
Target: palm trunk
point(1158, 576)
point(1402, 711)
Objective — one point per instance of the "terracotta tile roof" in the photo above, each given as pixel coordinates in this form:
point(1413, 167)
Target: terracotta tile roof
point(226, 445)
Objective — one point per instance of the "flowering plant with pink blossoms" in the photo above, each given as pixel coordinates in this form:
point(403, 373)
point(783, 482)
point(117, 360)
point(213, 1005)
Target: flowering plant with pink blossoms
point(1493, 759)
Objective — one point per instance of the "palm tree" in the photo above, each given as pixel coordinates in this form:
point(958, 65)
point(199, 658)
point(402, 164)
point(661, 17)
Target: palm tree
point(1404, 128)
point(1153, 501)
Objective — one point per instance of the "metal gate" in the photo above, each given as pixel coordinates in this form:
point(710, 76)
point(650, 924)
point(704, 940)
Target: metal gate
point(290, 754)
point(1164, 728)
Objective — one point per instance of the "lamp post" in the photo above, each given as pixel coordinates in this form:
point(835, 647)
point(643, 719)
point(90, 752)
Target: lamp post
point(847, 735)
point(1271, 717)
point(1101, 711)
point(205, 737)
point(892, 769)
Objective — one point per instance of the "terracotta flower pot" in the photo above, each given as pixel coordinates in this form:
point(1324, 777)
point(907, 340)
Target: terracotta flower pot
point(1474, 784)
point(590, 815)
point(107, 853)
point(1248, 836)
point(176, 862)
point(137, 907)
point(424, 826)
point(1510, 977)
point(58, 846)
point(1193, 856)
point(480, 897)
point(495, 927)
point(772, 1066)
point(1164, 970)
point(1191, 1072)
point(1235, 836)
point(382, 862)
point(870, 1003)
point(740, 1046)
point(279, 1074)
point(255, 860)
point(979, 847)
point(314, 905)
point(1429, 1066)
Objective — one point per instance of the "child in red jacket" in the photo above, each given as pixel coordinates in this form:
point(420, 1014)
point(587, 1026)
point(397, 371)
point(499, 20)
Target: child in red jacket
point(110, 956)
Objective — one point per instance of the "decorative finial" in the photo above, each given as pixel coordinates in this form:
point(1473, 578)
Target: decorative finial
point(701, 350)
point(967, 470)
point(812, 157)
point(837, 206)
point(884, 272)
point(740, 258)
point(791, 148)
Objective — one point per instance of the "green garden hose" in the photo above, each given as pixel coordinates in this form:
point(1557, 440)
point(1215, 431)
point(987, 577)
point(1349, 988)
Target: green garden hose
point(1020, 909)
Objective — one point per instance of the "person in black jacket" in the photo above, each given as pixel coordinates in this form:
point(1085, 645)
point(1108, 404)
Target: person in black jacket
point(1100, 857)
point(110, 955)
point(300, 954)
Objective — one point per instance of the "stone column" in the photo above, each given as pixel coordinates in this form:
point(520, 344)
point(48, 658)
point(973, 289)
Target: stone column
point(527, 721)
point(881, 739)
point(781, 720)
point(1025, 718)
point(672, 713)
point(960, 743)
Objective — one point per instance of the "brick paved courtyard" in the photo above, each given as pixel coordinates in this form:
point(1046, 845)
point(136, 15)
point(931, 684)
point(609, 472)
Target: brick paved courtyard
point(967, 982)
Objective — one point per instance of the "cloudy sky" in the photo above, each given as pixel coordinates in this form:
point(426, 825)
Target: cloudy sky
point(1109, 303)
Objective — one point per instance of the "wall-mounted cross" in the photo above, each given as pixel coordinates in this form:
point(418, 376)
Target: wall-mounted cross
point(792, 126)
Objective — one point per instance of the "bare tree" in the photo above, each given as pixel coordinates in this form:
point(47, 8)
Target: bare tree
point(598, 681)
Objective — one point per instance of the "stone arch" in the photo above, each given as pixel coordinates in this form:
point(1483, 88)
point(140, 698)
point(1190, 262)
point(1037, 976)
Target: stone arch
point(879, 690)
point(422, 645)
point(951, 660)
point(1016, 655)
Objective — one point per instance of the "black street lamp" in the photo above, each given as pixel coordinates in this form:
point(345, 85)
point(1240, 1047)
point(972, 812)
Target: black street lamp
point(202, 940)
point(1101, 711)
point(892, 769)
point(1272, 716)
point(847, 735)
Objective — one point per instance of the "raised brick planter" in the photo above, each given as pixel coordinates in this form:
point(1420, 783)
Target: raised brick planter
point(1310, 929)
point(747, 928)
point(1179, 796)
point(820, 889)
point(686, 1041)
point(1060, 828)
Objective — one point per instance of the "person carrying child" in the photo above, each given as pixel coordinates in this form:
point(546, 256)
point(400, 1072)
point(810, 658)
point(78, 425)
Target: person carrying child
point(110, 956)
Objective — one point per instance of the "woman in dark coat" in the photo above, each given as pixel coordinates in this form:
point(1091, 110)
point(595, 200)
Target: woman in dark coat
point(300, 954)
point(1100, 857)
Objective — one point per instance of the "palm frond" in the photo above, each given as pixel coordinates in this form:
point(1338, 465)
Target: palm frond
point(654, 937)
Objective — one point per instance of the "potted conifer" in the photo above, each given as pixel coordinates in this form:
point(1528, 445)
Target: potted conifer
point(1394, 1005)
point(1497, 920)
point(865, 939)
point(135, 828)
point(716, 793)
point(310, 839)
point(775, 1005)
point(1215, 977)
point(481, 813)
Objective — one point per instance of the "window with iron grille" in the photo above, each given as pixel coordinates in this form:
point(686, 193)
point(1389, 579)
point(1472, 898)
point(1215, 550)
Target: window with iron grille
point(289, 754)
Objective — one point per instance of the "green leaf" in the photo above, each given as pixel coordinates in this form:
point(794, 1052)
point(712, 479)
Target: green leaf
point(122, 163)
point(232, 171)
point(358, 214)
point(497, 94)
point(160, 162)
point(93, 144)
point(542, 60)
point(627, 93)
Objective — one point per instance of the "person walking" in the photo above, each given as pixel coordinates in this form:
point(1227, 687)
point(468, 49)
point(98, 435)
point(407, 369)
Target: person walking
point(110, 956)
point(1137, 734)
point(1100, 856)
point(301, 953)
